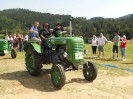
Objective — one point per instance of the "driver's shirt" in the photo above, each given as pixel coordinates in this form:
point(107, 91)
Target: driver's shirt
point(56, 29)
point(45, 33)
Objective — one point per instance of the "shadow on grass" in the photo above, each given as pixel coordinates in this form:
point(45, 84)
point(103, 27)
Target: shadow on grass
point(127, 63)
point(108, 59)
point(5, 58)
point(9, 58)
point(41, 83)
point(89, 57)
point(104, 59)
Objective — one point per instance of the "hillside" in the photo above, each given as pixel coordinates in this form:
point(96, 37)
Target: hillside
point(27, 17)
point(96, 19)
point(20, 20)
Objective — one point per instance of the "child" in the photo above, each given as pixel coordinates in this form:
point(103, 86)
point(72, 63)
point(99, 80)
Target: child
point(123, 47)
point(34, 32)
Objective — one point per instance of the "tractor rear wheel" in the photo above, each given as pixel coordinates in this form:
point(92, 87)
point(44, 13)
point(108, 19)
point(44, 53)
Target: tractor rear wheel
point(89, 71)
point(58, 76)
point(13, 53)
point(33, 62)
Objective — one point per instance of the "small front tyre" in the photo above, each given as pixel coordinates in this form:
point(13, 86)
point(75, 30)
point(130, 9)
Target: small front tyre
point(58, 76)
point(89, 71)
point(13, 53)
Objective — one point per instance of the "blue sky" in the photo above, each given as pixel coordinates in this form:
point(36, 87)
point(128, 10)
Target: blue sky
point(76, 8)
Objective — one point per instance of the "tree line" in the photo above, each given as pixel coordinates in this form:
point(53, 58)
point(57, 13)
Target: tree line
point(20, 20)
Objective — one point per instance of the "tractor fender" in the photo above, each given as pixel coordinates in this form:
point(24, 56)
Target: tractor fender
point(36, 47)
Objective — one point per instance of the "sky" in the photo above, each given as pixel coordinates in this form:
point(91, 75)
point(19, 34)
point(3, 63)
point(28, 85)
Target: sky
point(75, 8)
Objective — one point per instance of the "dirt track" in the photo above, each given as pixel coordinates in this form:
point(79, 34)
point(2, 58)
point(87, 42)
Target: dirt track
point(15, 83)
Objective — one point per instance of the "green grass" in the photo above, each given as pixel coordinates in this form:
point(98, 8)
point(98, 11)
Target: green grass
point(108, 60)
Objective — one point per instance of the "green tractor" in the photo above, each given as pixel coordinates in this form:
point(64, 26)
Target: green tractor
point(65, 53)
point(5, 47)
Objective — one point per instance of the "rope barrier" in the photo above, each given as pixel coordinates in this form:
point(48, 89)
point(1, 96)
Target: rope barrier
point(114, 66)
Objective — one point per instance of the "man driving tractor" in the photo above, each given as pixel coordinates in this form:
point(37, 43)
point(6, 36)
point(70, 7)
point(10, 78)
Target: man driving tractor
point(45, 33)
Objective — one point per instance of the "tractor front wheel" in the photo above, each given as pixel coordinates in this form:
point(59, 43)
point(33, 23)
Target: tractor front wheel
point(58, 76)
point(13, 53)
point(89, 71)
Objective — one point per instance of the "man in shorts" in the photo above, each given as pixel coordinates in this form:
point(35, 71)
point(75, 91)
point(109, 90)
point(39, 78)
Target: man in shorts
point(101, 41)
point(116, 41)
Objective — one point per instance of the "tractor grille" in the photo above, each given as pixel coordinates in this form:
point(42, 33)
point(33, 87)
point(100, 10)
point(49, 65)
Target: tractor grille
point(77, 47)
point(74, 50)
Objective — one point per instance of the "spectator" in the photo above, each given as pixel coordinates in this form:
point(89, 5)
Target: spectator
point(101, 41)
point(20, 43)
point(94, 45)
point(14, 41)
point(7, 38)
point(116, 41)
point(25, 39)
point(17, 40)
point(123, 47)
point(11, 41)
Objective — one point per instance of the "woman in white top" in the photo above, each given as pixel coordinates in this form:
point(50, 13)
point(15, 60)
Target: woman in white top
point(94, 45)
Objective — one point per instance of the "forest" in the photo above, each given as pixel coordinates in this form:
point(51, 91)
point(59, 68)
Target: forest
point(20, 20)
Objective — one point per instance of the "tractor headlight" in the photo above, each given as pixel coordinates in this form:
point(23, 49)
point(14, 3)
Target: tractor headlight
point(65, 54)
point(86, 52)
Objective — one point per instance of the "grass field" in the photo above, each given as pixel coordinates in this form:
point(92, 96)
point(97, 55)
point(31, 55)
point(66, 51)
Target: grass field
point(128, 64)
point(111, 83)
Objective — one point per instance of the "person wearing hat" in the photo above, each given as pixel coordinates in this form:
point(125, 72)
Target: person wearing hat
point(44, 34)
point(116, 41)
point(59, 27)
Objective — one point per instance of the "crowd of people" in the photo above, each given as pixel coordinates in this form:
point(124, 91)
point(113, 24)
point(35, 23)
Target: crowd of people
point(16, 41)
point(118, 42)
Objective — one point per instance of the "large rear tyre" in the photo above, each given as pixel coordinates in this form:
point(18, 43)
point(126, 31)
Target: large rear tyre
point(13, 53)
point(89, 71)
point(33, 62)
point(58, 76)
